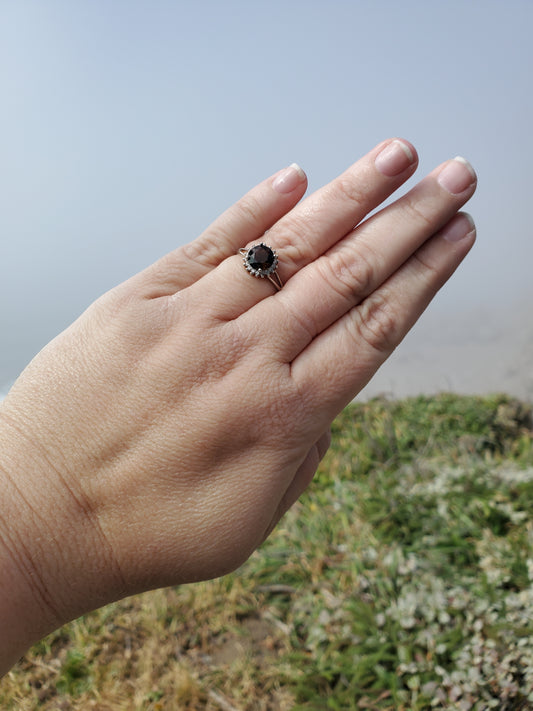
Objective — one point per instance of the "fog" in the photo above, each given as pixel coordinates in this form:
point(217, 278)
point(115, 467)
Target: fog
point(127, 128)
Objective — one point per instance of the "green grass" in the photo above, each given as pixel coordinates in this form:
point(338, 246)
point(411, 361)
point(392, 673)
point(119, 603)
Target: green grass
point(403, 579)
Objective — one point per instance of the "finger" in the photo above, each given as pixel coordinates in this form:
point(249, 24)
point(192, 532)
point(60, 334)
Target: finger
point(322, 292)
point(302, 479)
point(312, 227)
point(342, 359)
point(331, 212)
point(306, 471)
point(248, 219)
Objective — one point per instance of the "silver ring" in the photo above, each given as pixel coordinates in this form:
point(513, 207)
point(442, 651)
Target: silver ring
point(261, 261)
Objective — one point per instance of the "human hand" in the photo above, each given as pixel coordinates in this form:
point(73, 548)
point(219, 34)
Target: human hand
point(160, 438)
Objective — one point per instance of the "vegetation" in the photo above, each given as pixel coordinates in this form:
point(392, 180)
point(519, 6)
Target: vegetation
point(402, 580)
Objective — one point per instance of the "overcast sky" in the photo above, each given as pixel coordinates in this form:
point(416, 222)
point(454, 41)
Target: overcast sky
point(127, 126)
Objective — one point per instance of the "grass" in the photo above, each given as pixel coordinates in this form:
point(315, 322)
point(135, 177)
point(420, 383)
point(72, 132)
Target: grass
point(402, 580)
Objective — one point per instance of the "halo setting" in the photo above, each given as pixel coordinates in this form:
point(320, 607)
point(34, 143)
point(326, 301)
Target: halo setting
point(260, 260)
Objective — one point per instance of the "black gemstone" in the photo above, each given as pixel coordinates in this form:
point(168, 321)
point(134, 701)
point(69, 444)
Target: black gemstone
point(261, 257)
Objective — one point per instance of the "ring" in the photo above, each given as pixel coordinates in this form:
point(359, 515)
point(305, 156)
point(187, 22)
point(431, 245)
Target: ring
point(262, 262)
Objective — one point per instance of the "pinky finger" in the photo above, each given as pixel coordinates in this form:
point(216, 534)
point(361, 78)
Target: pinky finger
point(335, 367)
point(302, 479)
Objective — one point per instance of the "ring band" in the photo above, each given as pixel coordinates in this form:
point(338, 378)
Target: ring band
point(261, 261)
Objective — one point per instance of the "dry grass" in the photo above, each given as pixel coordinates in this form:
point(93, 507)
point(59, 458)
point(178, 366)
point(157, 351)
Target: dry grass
point(403, 580)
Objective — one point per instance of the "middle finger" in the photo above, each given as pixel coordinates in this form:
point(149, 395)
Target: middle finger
point(349, 272)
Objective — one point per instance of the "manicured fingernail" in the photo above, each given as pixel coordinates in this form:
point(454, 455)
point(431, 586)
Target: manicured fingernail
point(289, 179)
point(459, 228)
point(396, 157)
point(457, 175)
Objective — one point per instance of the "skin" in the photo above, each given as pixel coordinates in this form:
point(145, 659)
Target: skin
point(161, 437)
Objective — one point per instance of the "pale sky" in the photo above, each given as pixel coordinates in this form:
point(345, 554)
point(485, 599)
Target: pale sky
point(127, 126)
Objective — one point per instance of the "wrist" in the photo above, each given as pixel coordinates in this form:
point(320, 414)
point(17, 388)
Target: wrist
point(26, 609)
point(51, 567)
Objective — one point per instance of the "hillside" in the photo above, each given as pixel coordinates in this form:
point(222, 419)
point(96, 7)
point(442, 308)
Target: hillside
point(402, 580)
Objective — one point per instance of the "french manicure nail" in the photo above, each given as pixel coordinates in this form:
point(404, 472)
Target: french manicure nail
point(459, 228)
point(396, 157)
point(457, 175)
point(289, 179)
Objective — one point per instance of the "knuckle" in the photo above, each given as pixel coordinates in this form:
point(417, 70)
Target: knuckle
point(427, 272)
point(351, 191)
point(249, 209)
point(293, 238)
point(377, 324)
point(348, 276)
point(416, 212)
point(285, 414)
point(213, 248)
point(270, 406)
point(206, 254)
point(302, 324)
point(227, 345)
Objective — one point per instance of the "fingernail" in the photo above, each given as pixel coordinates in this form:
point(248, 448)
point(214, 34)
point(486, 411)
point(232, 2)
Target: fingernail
point(289, 179)
point(457, 175)
point(396, 157)
point(459, 228)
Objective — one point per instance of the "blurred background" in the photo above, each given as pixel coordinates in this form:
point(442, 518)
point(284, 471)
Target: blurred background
point(127, 127)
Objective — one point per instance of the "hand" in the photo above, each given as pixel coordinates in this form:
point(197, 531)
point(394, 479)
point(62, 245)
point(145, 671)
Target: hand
point(161, 437)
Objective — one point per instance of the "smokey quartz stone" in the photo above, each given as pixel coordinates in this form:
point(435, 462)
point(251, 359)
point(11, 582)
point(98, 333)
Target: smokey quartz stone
point(261, 260)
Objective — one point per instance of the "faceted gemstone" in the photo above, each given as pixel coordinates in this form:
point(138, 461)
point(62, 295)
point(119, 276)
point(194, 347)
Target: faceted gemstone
point(261, 257)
